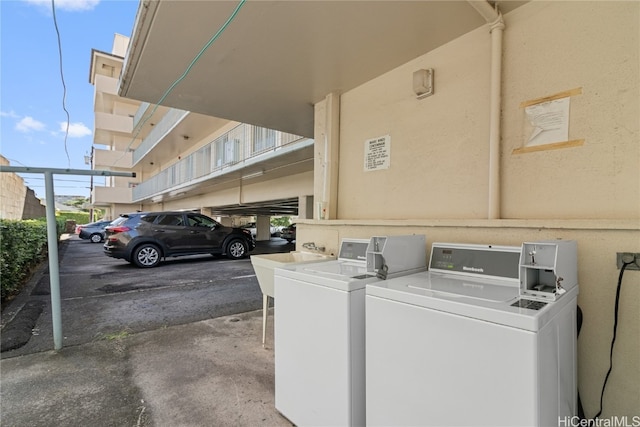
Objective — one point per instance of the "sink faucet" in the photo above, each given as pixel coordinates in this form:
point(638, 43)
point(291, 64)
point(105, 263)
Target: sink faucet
point(312, 247)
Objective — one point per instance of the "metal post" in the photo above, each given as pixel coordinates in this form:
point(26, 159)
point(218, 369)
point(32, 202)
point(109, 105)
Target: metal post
point(91, 211)
point(54, 272)
point(52, 234)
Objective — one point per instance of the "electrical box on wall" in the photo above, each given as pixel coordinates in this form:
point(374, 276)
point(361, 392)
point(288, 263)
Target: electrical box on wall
point(633, 258)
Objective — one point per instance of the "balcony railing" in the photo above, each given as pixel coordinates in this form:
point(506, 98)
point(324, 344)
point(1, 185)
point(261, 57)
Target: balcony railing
point(160, 130)
point(244, 142)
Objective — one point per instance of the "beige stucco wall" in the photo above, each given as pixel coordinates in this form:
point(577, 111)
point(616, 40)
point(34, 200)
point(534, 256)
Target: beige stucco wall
point(555, 47)
point(437, 182)
point(17, 201)
point(439, 145)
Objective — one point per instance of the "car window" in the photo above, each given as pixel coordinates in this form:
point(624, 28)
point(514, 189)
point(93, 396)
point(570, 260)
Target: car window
point(169, 219)
point(149, 218)
point(120, 220)
point(195, 220)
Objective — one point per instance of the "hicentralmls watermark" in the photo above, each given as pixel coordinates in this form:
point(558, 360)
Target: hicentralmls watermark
point(614, 421)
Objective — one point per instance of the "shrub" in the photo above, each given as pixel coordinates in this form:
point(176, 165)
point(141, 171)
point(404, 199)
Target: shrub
point(22, 246)
point(78, 217)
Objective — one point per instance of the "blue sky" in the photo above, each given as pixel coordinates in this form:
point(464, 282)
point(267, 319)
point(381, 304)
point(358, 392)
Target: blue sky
point(33, 121)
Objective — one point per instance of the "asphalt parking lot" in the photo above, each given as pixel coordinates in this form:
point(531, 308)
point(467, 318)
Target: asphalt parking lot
point(150, 347)
point(102, 296)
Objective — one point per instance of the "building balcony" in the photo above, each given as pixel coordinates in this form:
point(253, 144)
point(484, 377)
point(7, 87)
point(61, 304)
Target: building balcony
point(159, 133)
point(106, 84)
point(109, 159)
point(246, 152)
point(108, 195)
point(105, 93)
point(144, 110)
point(113, 123)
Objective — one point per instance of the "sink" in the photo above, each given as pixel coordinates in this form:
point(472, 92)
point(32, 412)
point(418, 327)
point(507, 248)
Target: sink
point(264, 266)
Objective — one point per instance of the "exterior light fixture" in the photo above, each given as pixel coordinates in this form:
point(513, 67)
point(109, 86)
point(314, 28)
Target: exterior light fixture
point(423, 83)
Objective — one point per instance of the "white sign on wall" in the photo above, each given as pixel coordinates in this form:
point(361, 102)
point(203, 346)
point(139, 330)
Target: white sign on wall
point(377, 153)
point(549, 121)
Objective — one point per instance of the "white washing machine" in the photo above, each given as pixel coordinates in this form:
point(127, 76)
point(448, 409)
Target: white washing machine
point(319, 328)
point(487, 337)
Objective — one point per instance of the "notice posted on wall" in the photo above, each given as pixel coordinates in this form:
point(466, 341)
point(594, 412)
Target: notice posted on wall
point(377, 153)
point(549, 122)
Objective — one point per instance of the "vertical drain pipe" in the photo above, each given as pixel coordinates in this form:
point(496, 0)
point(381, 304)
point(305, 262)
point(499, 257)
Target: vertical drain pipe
point(494, 18)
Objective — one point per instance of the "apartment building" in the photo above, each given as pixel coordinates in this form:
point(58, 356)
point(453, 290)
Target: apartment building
point(186, 160)
point(458, 165)
point(114, 140)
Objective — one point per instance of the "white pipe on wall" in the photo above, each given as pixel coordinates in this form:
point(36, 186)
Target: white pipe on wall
point(494, 18)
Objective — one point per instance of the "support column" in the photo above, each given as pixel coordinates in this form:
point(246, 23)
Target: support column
point(227, 221)
point(327, 147)
point(305, 207)
point(263, 227)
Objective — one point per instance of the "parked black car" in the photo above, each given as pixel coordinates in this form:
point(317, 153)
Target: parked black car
point(145, 238)
point(289, 233)
point(93, 231)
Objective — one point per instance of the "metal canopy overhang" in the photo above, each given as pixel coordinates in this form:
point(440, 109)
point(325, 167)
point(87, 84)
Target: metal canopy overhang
point(276, 59)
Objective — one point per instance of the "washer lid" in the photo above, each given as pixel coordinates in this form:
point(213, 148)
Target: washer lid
point(488, 290)
point(341, 275)
point(489, 303)
point(345, 269)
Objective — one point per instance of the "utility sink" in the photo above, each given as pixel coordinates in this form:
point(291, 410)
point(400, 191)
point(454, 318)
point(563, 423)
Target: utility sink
point(264, 266)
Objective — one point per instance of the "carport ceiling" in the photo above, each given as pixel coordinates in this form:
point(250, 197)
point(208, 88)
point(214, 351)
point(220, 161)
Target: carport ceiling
point(276, 59)
point(286, 207)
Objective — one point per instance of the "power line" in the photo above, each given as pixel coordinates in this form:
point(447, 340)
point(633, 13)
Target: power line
point(185, 73)
point(64, 86)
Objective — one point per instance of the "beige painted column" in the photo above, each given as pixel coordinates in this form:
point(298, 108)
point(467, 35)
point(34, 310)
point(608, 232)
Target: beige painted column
point(327, 148)
point(305, 207)
point(227, 221)
point(263, 227)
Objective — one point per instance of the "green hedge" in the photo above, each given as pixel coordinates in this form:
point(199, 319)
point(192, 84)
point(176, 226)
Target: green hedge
point(22, 246)
point(78, 217)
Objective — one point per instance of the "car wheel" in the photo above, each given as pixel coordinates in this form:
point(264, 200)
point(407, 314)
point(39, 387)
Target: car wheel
point(236, 249)
point(96, 238)
point(146, 255)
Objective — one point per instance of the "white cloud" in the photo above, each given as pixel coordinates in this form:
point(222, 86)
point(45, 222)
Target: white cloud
point(11, 114)
point(29, 124)
point(68, 5)
point(76, 130)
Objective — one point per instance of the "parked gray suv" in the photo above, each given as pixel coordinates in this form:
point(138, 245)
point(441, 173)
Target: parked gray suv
point(145, 238)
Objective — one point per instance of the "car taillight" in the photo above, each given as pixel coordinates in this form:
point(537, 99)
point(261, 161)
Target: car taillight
point(118, 229)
